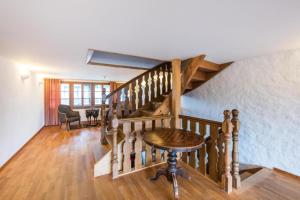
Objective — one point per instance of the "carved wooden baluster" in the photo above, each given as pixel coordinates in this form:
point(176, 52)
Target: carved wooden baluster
point(166, 123)
point(221, 160)
point(133, 96)
point(103, 118)
point(192, 159)
point(171, 80)
point(126, 102)
point(115, 167)
point(142, 88)
point(138, 144)
point(158, 82)
point(235, 151)
point(227, 131)
point(202, 151)
point(152, 88)
point(213, 153)
point(127, 147)
point(110, 111)
point(184, 155)
point(148, 126)
point(169, 77)
point(140, 93)
point(161, 77)
point(130, 96)
point(164, 79)
point(146, 89)
point(119, 105)
point(155, 79)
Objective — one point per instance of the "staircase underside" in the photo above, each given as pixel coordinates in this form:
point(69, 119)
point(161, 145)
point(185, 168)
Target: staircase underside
point(197, 70)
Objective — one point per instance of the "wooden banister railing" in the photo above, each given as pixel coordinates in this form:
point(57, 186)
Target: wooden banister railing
point(132, 154)
point(209, 131)
point(141, 90)
point(214, 159)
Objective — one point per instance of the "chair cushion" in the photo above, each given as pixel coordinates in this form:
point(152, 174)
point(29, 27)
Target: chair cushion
point(74, 119)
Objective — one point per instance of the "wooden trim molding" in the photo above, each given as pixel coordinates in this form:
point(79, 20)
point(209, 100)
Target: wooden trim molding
point(16, 154)
point(285, 173)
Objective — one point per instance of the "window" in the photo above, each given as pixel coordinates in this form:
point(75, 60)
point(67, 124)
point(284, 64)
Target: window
point(107, 91)
point(98, 94)
point(65, 93)
point(77, 92)
point(80, 95)
point(87, 95)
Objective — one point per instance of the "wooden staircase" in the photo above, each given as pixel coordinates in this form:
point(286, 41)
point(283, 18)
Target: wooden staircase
point(148, 99)
point(149, 94)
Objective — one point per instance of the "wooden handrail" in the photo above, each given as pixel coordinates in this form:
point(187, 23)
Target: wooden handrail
point(134, 119)
point(201, 119)
point(134, 79)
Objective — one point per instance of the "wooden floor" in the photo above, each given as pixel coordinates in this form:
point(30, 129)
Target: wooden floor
point(58, 164)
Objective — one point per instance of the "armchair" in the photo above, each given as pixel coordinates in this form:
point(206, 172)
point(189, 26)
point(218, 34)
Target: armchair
point(67, 115)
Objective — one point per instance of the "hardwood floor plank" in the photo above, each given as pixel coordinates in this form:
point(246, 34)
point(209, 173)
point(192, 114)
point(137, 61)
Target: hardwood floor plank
point(58, 165)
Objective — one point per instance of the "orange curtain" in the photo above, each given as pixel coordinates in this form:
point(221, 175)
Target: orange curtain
point(51, 100)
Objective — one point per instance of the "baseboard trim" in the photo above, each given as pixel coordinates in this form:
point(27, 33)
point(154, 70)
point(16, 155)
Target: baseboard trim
point(15, 154)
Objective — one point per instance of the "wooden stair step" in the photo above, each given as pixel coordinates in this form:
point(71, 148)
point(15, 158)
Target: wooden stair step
point(245, 175)
point(208, 66)
point(254, 179)
point(147, 113)
point(99, 151)
point(109, 137)
point(249, 168)
point(199, 76)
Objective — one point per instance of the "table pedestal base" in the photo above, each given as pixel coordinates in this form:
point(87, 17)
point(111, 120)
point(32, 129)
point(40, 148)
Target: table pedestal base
point(171, 172)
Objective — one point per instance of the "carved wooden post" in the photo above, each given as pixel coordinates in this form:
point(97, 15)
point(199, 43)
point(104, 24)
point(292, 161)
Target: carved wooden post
point(103, 118)
point(169, 78)
point(114, 124)
point(176, 92)
point(227, 131)
point(235, 152)
point(221, 160)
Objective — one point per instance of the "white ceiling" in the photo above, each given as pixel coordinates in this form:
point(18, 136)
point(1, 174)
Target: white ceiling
point(56, 34)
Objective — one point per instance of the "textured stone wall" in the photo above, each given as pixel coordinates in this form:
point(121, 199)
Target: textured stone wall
point(266, 90)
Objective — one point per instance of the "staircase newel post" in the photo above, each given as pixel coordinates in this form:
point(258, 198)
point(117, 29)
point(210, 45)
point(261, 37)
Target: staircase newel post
point(176, 92)
point(103, 118)
point(115, 124)
point(227, 131)
point(235, 152)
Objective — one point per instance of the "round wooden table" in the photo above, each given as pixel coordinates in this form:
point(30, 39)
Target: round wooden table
point(173, 141)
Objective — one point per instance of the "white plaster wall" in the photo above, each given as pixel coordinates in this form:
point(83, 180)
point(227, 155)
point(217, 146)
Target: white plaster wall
point(22, 109)
point(266, 90)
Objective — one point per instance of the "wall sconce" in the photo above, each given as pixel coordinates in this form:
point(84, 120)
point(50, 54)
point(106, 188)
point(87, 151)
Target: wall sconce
point(24, 72)
point(25, 76)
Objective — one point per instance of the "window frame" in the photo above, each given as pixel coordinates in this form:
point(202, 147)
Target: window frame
point(92, 91)
point(65, 91)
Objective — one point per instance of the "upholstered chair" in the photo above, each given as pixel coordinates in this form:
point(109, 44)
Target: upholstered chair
point(67, 115)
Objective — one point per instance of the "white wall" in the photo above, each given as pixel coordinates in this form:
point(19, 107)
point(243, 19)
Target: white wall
point(266, 90)
point(22, 109)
